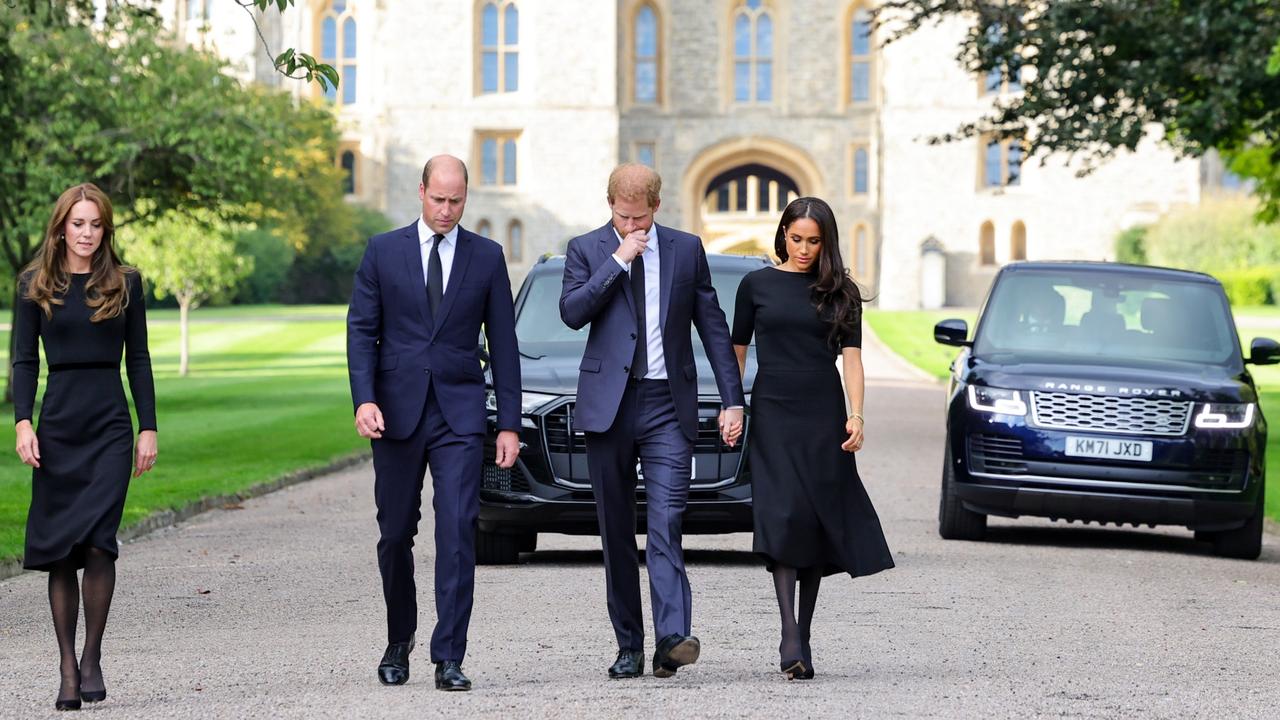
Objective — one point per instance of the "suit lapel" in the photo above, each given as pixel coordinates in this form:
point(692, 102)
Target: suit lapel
point(609, 245)
point(667, 264)
point(461, 258)
point(413, 267)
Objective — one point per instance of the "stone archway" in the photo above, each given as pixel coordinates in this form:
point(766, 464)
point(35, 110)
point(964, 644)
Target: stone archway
point(733, 192)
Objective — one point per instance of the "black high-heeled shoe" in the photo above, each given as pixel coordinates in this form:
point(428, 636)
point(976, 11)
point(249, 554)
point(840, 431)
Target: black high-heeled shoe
point(807, 656)
point(793, 668)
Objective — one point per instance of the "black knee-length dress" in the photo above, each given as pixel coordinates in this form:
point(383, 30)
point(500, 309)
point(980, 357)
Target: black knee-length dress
point(85, 433)
point(810, 508)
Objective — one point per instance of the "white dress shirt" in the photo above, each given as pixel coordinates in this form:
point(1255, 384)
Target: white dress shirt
point(447, 246)
point(652, 305)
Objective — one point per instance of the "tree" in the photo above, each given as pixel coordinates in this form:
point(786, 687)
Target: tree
point(155, 125)
point(1098, 74)
point(191, 256)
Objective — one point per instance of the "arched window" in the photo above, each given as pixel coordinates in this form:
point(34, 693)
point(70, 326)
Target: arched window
point(347, 161)
point(861, 251)
point(860, 50)
point(1018, 241)
point(987, 244)
point(499, 47)
point(752, 53)
point(515, 241)
point(484, 229)
point(338, 48)
point(646, 59)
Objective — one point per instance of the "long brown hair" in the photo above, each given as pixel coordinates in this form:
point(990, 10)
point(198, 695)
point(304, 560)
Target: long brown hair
point(47, 278)
point(835, 294)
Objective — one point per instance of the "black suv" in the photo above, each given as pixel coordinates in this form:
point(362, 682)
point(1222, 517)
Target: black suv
point(1105, 392)
point(548, 490)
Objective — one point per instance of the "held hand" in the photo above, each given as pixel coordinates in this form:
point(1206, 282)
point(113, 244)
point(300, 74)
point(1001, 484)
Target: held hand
point(853, 426)
point(508, 447)
point(145, 453)
point(632, 245)
point(731, 426)
point(369, 421)
point(28, 447)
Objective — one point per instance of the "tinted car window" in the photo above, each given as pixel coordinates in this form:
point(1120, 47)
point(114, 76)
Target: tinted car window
point(1086, 316)
point(539, 319)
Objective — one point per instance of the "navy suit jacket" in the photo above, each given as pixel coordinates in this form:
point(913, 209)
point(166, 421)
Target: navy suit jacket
point(598, 291)
point(396, 351)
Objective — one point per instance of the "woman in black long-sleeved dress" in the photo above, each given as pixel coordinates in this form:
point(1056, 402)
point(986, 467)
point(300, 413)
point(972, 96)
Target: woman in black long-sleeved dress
point(88, 309)
point(812, 514)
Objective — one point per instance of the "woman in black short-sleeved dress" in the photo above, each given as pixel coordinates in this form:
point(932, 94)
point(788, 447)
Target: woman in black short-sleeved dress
point(812, 514)
point(88, 310)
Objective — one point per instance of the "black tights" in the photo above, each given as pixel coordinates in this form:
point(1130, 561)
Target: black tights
point(65, 591)
point(796, 630)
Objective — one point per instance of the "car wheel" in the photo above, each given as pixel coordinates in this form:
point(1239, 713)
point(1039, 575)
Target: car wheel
point(497, 548)
point(1244, 543)
point(528, 542)
point(955, 521)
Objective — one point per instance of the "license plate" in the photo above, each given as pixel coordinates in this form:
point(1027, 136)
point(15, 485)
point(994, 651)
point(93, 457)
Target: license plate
point(693, 470)
point(1109, 448)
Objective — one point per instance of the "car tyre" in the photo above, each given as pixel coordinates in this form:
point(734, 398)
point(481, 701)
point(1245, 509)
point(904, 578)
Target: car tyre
point(497, 548)
point(955, 521)
point(1244, 543)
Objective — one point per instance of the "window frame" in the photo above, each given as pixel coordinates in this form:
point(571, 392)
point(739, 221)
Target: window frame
point(500, 138)
point(502, 49)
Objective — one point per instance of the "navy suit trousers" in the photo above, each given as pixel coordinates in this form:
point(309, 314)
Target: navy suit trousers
point(645, 429)
point(399, 467)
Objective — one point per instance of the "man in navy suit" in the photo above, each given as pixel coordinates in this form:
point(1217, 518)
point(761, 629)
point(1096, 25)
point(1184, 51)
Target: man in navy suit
point(421, 296)
point(642, 287)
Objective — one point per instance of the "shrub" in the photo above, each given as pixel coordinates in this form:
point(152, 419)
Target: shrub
point(1255, 286)
point(1131, 245)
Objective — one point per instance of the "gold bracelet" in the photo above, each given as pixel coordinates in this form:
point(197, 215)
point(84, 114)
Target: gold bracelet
point(859, 417)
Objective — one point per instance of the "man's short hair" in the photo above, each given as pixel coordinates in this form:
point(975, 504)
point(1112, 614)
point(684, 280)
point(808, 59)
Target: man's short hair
point(426, 173)
point(633, 181)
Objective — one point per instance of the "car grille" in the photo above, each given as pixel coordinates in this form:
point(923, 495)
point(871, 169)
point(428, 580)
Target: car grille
point(995, 454)
point(558, 428)
point(502, 479)
point(1110, 414)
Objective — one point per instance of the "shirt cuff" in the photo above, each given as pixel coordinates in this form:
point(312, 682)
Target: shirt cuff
point(734, 407)
point(624, 266)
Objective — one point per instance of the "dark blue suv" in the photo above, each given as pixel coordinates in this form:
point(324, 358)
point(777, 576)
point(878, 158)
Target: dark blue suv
point(1105, 392)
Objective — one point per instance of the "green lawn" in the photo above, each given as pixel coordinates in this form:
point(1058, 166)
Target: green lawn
point(910, 334)
point(267, 395)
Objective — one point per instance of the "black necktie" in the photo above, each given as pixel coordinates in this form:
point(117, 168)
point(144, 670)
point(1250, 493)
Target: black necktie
point(435, 275)
point(639, 361)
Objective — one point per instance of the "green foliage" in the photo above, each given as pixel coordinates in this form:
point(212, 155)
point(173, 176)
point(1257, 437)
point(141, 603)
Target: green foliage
point(1131, 245)
point(1253, 286)
point(1221, 233)
point(190, 257)
point(1097, 74)
point(323, 273)
point(272, 256)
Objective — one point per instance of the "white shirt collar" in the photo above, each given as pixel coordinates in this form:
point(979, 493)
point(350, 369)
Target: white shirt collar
point(425, 233)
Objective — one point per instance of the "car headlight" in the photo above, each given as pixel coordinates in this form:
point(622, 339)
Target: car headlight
point(1225, 415)
point(996, 400)
point(529, 401)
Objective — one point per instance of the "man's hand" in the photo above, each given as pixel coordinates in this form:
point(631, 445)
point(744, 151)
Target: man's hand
point(731, 425)
point(369, 421)
point(632, 245)
point(508, 447)
point(28, 447)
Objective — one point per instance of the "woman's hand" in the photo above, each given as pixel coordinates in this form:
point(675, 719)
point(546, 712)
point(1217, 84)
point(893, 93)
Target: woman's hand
point(28, 446)
point(145, 454)
point(853, 426)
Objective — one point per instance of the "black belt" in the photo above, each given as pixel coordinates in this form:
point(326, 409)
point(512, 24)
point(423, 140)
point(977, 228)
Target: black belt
point(58, 367)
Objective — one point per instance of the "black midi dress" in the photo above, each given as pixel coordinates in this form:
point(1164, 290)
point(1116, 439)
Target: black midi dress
point(810, 508)
point(85, 433)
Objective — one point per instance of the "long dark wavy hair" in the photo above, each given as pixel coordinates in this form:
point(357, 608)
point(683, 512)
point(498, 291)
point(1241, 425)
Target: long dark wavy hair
point(835, 294)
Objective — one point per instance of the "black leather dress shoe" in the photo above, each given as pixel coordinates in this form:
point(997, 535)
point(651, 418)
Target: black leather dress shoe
point(449, 676)
point(674, 652)
point(630, 664)
point(394, 668)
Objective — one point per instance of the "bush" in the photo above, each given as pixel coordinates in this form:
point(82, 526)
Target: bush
point(1131, 245)
point(1219, 234)
point(272, 257)
point(1255, 286)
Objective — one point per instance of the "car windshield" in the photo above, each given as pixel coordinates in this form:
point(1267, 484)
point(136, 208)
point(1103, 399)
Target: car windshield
point(539, 320)
point(1084, 316)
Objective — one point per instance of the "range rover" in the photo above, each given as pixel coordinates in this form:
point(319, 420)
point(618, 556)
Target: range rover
point(549, 490)
point(1110, 393)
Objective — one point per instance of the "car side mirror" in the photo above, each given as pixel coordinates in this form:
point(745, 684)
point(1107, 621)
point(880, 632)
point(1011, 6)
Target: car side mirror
point(482, 352)
point(952, 332)
point(1264, 351)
